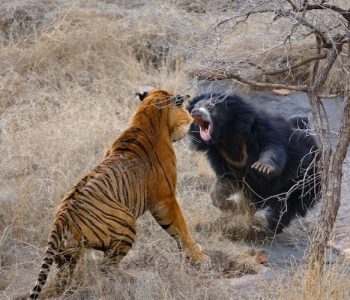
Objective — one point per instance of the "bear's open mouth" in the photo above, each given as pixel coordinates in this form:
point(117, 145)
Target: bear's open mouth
point(202, 119)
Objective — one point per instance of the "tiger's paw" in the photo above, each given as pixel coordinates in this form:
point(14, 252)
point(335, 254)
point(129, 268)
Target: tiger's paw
point(198, 255)
point(203, 258)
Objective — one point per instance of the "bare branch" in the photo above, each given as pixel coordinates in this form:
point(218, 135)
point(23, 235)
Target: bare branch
point(283, 13)
point(220, 75)
point(315, 30)
point(295, 8)
point(328, 96)
point(244, 18)
point(268, 85)
point(343, 12)
point(317, 63)
point(295, 66)
point(327, 66)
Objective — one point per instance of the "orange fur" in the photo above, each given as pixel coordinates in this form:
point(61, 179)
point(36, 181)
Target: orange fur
point(138, 173)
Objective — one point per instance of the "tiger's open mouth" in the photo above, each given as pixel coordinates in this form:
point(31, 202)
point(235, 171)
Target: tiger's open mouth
point(202, 118)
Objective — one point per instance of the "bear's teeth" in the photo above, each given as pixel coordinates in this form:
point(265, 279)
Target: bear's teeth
point(205, 133)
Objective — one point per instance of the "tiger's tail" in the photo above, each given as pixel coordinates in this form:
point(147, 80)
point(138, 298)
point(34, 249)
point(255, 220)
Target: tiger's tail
point(58, 231)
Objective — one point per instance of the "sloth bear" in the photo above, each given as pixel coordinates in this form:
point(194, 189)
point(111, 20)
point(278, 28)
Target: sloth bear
point(271, 159)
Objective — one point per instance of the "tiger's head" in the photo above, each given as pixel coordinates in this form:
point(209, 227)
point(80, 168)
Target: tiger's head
point(160, 104)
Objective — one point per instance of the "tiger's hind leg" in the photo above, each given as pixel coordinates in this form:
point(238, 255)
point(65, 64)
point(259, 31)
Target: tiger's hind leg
point(114, 254)
point(122, 237)
point(66, 262)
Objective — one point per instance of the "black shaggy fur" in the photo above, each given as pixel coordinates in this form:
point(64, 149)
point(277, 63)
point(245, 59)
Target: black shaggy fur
point(263, 154)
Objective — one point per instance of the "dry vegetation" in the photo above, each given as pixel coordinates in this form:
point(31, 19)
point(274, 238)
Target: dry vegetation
point(68, 74)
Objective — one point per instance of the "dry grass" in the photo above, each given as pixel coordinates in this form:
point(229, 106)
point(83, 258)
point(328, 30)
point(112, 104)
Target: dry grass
point(68, 74)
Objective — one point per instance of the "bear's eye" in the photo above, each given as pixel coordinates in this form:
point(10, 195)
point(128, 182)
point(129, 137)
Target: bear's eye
point(211, 104)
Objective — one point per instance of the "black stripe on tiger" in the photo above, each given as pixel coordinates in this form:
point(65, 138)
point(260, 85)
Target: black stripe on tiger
point(57, 232)
point(82, 220)
point(156, 156)
point(125, 149)
point(165, 226)
point(113, 218)
point(132, 141)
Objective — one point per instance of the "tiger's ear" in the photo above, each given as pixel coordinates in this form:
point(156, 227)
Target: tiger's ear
point(142, 96)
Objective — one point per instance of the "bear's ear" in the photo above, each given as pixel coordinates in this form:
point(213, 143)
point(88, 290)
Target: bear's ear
point(179, 100)
point(142, 96)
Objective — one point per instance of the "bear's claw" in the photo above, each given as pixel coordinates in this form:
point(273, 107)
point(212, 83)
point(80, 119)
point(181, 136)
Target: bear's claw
point(265, 168)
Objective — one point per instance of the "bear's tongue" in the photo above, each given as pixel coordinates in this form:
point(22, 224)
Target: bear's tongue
point(205, 133)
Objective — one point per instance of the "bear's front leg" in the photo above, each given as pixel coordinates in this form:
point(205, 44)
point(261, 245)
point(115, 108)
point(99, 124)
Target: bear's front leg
point(271, 161)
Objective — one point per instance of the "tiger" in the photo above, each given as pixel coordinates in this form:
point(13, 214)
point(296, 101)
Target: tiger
point(138, 173)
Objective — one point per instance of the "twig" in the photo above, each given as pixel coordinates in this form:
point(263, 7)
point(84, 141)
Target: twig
point(322, 96)
point(294, 7)
point(344, 13)
point(30, 245)
point(202, 74)
point(246, 15)
point(315, 30)
point(295, 66)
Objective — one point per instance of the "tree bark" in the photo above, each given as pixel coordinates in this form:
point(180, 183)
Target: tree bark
point(331, 180)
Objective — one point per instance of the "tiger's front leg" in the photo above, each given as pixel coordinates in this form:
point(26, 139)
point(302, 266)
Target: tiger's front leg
point(170, 217)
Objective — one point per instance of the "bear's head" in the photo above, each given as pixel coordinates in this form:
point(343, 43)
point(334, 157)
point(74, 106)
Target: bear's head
point(216, 117)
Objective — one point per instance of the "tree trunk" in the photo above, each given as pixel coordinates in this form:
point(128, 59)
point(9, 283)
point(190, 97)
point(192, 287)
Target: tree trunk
point(331, 183)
